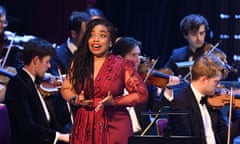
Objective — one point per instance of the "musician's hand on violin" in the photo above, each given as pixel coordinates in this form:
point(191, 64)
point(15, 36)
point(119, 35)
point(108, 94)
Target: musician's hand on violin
point(64, 137)
point(237, 103)
point(107, 101)
point(168, 94)
point(173, 80)
point(218, 101)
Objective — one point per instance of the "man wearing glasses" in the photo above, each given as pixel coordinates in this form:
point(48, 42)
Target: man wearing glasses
point(3, 24)
point(3, 19)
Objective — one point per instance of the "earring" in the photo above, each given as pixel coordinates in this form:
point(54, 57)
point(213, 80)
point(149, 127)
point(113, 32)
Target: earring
point(110, 45)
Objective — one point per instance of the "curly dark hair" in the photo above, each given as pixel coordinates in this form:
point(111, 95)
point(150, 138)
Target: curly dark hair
point(81, 68)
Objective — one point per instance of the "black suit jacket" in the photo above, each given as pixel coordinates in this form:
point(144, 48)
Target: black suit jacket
point(27, 118)
point(183, 54)
point(179, 55)
point(190, 122)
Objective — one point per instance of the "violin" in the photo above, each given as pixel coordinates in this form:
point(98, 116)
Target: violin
point(159, 78)
point(156, 78)
point(50, 85)
point(6, 73)
point(48, 88)
point(17, 39)
point(223, 97)
point(10, 40)
point(151, 76)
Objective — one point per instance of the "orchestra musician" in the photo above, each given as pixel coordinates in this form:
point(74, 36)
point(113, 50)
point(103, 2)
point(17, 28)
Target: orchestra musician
point(30, 119)
point(3, 25)
point(130, 49)
point(200, 119)
point(194, 28)
point(77, 23)
point(15, 60)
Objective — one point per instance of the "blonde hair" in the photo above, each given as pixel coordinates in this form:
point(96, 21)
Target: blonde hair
point(208, 65)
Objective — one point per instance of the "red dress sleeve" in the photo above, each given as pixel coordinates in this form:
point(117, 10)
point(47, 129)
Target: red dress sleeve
point(137, 91)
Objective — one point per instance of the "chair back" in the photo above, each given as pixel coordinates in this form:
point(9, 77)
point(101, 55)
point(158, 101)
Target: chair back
point(5, 129)
point(161, 125)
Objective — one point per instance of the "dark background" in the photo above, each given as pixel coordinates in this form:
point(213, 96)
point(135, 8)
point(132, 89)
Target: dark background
point(154, 22)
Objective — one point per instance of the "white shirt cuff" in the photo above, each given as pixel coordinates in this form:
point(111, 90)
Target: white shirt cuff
point(168, 96)
point(56, 137)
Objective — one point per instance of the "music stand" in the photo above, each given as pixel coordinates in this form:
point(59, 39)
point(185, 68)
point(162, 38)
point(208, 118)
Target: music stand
point(167, 138)
point(164, 140)
point(164, 111)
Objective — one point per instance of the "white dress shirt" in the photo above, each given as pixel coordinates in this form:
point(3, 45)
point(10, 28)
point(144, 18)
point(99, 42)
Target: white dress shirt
point(43, 104)
point(207, 122)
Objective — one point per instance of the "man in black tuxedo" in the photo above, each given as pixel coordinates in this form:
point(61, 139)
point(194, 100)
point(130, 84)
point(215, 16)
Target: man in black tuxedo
point(31, 121)
point(198, 118)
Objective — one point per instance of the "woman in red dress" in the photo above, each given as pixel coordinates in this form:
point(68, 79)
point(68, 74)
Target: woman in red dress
point(95, 81)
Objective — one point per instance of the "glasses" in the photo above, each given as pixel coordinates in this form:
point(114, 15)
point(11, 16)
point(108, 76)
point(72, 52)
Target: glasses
point(4, 22)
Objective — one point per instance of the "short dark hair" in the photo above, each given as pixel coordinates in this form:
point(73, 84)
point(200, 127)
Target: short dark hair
point(37, 47)
point(192, 22)
point(76, 19)
point(124, 45)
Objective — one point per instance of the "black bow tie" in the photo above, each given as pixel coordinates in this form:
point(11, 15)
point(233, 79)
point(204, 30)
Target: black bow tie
point(37, 80)
point(203, 100)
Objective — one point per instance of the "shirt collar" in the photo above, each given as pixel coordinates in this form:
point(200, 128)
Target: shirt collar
point(198, 95)
point(32, 77)
point(71, 46)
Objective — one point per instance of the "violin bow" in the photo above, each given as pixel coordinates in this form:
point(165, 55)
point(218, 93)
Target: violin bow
point(188, 76)
point(68, 105)
point(8, 51)
point(150, 71)
point(230, 116)
point(60, 75)
point(214, 47)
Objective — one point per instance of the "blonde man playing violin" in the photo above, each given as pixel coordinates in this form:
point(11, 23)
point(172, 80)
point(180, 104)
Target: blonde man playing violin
point(199, 119)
